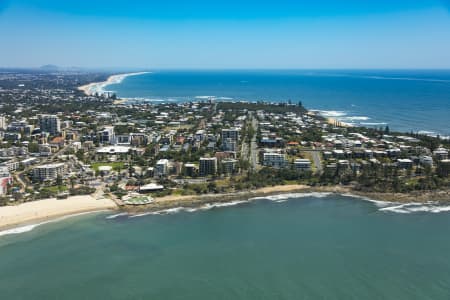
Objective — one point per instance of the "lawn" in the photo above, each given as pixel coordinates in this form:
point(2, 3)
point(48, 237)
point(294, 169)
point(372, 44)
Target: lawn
point(118, 165)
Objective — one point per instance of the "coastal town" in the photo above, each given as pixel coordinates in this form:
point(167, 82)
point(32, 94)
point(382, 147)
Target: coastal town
point(57, 141)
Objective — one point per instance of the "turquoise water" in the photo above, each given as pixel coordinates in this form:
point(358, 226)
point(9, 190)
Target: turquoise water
point(404, 100)
point(332, 247)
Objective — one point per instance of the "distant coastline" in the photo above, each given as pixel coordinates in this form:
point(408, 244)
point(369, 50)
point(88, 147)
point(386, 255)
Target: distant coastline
point(99, 87)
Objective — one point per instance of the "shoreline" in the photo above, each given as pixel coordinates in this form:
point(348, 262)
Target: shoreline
point(196, 201)
point(98, 87)
point(43, 211)
point(39, 211)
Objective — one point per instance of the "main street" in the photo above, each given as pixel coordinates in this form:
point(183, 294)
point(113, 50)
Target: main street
point(254, 145)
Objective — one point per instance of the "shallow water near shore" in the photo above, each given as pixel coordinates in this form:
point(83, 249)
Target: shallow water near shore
point(325, 247)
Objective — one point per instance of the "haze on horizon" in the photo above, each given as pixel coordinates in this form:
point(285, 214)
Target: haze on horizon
point(226, 34)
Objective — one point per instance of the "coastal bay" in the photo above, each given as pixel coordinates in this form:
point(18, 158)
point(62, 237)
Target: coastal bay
point(99, 87)
point(276, 247)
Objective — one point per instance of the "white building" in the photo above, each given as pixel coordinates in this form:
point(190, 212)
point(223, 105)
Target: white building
point(5, 180)
point(302, 164)
point(441, 153)
point(275, 160)
point(48, 172)
point(107, 135)
point(405, 163)
point(113, 153)
point(231, 133)
point(426, 160)
point(3, 123)
point(151, 187)
point(161, 168)
point(13, 151)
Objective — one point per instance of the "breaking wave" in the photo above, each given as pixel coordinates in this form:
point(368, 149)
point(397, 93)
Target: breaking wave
point(28, 228)
point(408, 208)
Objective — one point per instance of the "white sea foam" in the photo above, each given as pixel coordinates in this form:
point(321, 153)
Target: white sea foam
point(408, 208)
point(175, 210)
point(27, 228)
point(141, 215)
point(356, 118)
point(332, 113)
point(205, 97)
point(117, 215)
point(405, 78)
point(282, 197)
point(378, 203)
point(222, 204)
point(20, 229)
point(383, 206)
point(208, 206)
point(373, 123)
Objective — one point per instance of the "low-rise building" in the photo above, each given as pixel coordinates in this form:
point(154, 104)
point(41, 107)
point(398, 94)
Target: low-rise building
point(113, 153)
point(404, 163)
point(441, 154)
point(229, 166)
point(426, 161)
point(302, 164)
point(275, 160)
point(5, 180)
point(190, 170)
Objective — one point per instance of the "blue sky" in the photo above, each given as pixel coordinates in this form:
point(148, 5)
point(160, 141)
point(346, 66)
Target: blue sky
point(225, 34)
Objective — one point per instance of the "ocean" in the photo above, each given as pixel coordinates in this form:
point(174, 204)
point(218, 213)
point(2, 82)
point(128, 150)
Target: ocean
point(405, 101)
point(313, 246)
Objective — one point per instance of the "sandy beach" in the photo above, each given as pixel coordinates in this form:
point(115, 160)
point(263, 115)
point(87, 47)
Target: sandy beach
point(99, 87)
point(43, 210)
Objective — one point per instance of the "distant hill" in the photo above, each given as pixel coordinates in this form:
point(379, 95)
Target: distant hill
point(49, 68)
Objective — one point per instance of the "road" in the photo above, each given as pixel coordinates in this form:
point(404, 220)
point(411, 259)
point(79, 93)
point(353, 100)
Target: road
point(316, 159)
point(254, 145)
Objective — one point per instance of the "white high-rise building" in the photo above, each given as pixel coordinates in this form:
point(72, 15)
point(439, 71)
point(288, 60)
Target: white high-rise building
point(230, 139)
point(107, 135)
point(48, 172)
point(231, 133)
point(3, 123)
point(208, 166)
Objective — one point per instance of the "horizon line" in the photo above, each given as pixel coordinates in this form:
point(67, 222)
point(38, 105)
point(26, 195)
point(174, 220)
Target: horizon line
point(146, 69)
